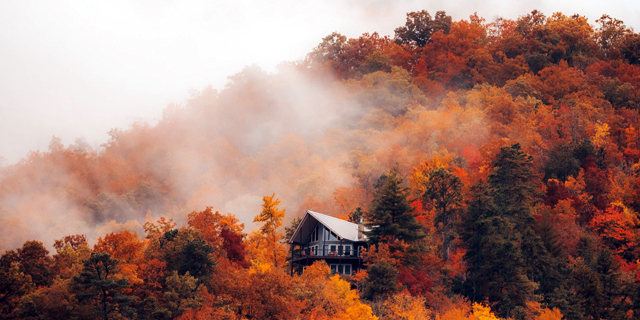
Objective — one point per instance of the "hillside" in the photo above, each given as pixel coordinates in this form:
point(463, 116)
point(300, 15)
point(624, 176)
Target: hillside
point(515, 142)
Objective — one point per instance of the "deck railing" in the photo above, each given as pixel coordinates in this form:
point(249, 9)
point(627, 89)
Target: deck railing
point(327, 253)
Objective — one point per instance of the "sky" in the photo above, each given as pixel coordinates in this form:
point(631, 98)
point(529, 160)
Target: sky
point(76, 69)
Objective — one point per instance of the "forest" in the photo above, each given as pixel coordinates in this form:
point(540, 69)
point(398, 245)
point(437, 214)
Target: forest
point(496, 165)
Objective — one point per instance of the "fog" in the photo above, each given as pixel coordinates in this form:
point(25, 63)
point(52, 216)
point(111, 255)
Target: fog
point(197, 126)
point(78, 69)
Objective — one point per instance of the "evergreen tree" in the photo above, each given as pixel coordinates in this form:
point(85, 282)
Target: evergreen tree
point(504, 253)
point(511, 183)
point(100, 288)
point(186, 250)
point(390, 217)
point(381, 281)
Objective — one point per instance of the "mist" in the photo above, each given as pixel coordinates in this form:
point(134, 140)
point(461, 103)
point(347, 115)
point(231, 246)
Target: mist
point(77, 69)
point(159, 110)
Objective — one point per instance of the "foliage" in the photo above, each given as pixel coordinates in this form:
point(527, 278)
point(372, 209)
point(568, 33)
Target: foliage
point(271, 217)
point(523, 135)
point(390, 216)
point(100, 288)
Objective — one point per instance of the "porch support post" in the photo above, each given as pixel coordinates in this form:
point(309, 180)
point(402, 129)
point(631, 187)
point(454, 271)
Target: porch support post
point(291, 261)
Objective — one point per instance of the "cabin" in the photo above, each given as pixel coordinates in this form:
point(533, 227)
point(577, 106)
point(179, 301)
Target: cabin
point(321, 237)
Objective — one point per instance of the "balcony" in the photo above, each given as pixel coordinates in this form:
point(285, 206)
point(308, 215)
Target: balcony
point(326, 254)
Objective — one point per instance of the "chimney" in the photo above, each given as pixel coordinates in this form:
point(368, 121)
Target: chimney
point(360, 229)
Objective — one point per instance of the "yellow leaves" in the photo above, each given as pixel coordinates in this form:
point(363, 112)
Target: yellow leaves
point(601, 137)
point(547, 314)
point(261, 248)
point(536, 312)
point(403, 306)
point(632, 216)
point(576, 186)
point(347, 300)
point(482, 312)
point(329, 297)
point(128, 271)
point(456, 314)
point(270, 215)
point(479, 312)
point(258, 266)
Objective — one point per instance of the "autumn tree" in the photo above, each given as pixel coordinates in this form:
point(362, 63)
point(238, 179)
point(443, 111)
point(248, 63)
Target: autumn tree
point(444, 192)
point(272, 217)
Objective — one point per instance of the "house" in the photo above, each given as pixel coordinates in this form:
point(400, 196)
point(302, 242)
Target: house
point(321, 237)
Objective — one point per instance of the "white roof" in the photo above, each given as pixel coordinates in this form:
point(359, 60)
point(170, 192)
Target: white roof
point(342, 228)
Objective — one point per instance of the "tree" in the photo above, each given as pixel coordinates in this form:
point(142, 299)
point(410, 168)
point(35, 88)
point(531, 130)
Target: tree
point(511, 183)
point(34, 260)
point(498, 233)
point(291, 229)
point(420, 26)
point(381, 281)
point(182, 293)
point(99, 286)
point(444, 192)
point(272, 218)
point(185, 250)
point(13, 285)
point(390, 217)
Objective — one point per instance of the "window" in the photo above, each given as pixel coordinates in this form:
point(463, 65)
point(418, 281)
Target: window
point(327, 234)
point(341, 269)
point(333, 248)
point(339, 250)
point(347, 250)
point(333, 236)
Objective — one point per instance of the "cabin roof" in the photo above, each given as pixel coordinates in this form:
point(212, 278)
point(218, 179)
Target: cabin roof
point(343, 229)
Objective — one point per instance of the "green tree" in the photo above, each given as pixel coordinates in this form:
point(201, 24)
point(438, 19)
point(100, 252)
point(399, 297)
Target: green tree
point(99, 286)
point(381, 281)
point(444, 192)
point(182, 293)
point(356, 215)
point(420, 26)
point(291, 229)
point(390, 217)
point(272, 218)
point(503, 251)
point(512, 187)
point(13, 285)
point(186, 250)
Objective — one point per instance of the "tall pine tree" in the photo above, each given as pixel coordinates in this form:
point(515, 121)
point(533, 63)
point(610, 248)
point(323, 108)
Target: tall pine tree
point(391, 216)
point(498, 219)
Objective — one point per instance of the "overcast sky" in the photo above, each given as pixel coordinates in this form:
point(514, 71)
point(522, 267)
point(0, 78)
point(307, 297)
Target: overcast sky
point(79, 68)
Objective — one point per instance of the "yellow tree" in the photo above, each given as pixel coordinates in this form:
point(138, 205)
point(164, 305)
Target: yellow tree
point(272, 217)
